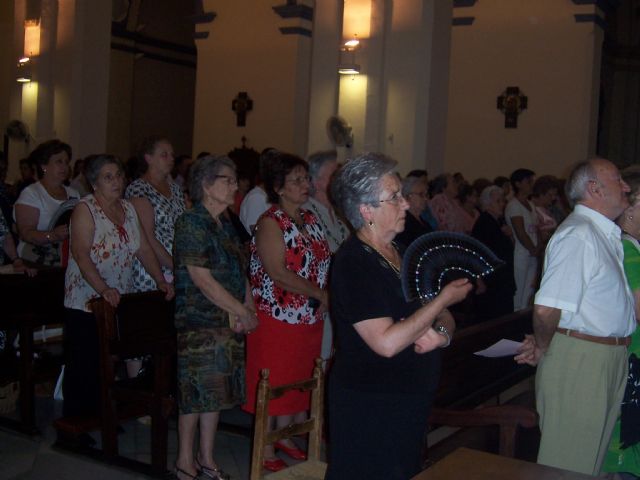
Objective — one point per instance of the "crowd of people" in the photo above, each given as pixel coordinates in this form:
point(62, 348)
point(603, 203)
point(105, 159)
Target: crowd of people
point(305, 262)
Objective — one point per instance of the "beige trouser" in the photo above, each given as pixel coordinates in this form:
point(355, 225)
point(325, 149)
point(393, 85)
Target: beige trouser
point(579, 388)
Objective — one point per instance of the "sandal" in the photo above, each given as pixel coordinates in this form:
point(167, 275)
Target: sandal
point(213, 473)
point(178, 470)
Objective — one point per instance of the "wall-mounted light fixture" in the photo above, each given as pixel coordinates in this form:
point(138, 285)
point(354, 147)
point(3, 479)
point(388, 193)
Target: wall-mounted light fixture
point(32, 37)
point(353, 43)
point(24, 73)
point(348, 65)
point(24, 70)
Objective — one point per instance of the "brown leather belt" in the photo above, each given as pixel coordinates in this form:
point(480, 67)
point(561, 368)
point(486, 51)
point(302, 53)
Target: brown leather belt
point(592, 338)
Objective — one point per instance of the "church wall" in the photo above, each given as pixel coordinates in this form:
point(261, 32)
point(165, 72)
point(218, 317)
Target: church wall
point(152, 77)
point(246, 52)
point(554, 60)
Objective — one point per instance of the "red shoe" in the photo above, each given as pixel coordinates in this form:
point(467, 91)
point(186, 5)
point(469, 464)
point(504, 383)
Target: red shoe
point(274, 465)
point(293, 452)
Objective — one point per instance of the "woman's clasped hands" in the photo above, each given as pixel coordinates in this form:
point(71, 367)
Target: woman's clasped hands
point(245, 322)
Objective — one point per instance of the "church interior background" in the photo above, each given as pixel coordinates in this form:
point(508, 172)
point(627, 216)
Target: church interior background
point(477, 86)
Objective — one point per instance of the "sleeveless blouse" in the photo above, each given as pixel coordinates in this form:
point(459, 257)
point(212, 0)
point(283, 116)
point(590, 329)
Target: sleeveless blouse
point(307, 254)
point(165, 213)
point(112, 252)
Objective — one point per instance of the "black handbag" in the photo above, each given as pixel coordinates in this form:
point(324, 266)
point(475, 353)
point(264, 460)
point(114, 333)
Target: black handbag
point(630, 409)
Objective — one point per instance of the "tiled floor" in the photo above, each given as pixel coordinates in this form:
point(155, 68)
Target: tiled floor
point(24, 457)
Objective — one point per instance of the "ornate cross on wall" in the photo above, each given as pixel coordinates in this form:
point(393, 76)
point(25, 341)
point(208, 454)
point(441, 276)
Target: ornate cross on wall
point(241, 105)
point(511, 103)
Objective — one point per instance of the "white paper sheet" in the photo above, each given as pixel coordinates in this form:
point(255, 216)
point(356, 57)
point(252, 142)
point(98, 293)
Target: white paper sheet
point(503, 348)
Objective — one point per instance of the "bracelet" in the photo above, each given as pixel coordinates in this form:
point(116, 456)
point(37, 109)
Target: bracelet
point(441, 330)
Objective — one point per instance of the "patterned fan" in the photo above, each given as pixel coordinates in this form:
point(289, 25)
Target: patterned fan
point(435, 259)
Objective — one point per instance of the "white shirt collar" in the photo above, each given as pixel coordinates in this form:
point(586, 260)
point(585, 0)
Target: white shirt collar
point(607, 226)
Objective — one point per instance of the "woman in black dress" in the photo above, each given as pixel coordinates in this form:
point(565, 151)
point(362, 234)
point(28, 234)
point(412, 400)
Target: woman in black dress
point(414, 190)
point(491, 229)
point(387, 361)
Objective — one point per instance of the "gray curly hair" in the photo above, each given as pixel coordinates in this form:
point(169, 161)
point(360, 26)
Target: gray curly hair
point(358, 183)
point(203, 173)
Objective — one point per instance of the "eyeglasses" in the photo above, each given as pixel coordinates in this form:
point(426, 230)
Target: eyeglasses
point(394, 199)
point(229, 179)
point(300, 180)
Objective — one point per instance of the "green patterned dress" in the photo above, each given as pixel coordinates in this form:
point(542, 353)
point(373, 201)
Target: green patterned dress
point(617, 459)
point(210, 355)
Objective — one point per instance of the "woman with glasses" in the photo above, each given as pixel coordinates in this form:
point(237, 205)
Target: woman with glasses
point(387, 361)
point(214, 309)
point(288, 272)
point(414, 190)
point(105, 239)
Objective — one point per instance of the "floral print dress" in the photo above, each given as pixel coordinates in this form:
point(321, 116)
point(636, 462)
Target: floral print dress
point(307, 254)
point(112, 252)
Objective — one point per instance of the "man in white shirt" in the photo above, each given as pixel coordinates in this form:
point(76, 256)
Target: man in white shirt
point(582, 318)
point(322, 166)
point(255, 201)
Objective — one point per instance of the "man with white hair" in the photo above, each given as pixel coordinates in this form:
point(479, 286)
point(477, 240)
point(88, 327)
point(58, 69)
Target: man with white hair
point(322, 166)
point(582, 318)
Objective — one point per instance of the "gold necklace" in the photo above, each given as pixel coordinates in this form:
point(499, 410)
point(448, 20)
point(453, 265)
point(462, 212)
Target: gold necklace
point(391, 264)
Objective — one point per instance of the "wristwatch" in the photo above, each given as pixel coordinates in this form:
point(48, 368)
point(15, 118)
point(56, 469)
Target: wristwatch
point(442, 330)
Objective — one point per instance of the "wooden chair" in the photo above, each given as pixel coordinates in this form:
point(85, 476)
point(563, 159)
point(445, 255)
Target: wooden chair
point(313, 468)
point(29, 303)
point(142, 325)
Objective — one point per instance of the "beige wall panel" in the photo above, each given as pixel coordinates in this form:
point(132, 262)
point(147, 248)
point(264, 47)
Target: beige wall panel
point(539, 47)
point(245, 52)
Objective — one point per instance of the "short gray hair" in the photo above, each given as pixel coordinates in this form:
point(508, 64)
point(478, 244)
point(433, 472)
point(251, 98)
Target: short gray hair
point(408, 183)
point(94, 163)
point(358, 183)
point(318, 160)
point(485, 196)
point(203, 173)
point(579, 178)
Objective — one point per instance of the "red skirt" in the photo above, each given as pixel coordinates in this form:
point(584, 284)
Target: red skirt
point(289, 352)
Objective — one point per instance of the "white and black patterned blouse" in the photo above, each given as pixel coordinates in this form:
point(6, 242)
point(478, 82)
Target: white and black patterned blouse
point(166, 211)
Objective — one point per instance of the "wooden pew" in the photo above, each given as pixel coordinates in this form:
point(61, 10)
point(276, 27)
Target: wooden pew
point(141, 325)
point(29, 303)
point(469, 380)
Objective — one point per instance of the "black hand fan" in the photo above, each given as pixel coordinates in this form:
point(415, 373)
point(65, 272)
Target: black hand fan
point(437, 258)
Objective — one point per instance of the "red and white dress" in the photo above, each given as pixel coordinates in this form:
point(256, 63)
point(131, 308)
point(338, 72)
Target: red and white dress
point(289, 332)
